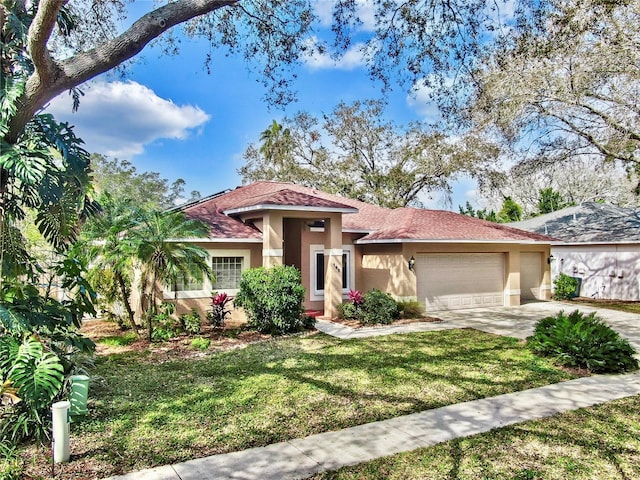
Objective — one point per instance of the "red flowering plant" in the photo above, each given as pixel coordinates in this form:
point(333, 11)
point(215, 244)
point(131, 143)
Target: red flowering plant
point(219, 312)
point(356, 297)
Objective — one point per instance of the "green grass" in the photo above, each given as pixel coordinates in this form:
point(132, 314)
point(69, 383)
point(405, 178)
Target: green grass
point(119, 340)
point(601, 442)
point(145, 413)
point(623, 306)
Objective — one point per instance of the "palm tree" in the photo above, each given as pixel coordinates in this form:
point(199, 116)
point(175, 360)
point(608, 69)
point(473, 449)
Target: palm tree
point(276, 142)
point(111, 251)
point(162, 246)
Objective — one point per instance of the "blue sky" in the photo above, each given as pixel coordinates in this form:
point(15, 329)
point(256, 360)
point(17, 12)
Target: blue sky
point(170, 116)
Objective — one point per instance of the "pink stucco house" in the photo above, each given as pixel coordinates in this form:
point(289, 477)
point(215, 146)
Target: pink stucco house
point(443, 259)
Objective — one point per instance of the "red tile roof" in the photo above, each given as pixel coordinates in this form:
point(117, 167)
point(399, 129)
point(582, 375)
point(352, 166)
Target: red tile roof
point(381, 224)
point(292, 199)
point(413, 224)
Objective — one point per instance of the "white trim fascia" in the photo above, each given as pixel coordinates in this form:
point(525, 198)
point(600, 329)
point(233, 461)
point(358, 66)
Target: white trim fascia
point(577, 244)
point(413, 240)
point(216, 240)
point(355, 230)
point(344, 230)
point(295, 208)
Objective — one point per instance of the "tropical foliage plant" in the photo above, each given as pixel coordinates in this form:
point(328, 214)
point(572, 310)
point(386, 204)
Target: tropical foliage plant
point(584, 341)
point(220, 309)
point(164, 256)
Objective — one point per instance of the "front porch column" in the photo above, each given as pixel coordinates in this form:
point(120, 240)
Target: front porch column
point(272, 240)
point(333, 265)
point(512, 287)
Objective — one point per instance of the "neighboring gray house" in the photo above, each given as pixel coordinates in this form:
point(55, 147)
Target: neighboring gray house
point(598, 243)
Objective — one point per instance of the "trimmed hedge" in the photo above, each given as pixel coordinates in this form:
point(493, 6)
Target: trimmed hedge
point(272, 299)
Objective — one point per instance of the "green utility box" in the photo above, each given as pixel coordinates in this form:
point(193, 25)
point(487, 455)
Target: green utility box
point(79, 394)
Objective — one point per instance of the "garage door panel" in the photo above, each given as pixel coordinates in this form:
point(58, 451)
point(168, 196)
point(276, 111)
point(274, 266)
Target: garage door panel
point(451, 282)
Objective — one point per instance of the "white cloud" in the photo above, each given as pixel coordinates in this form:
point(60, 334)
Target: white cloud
point(119, 118)
point(353, 58)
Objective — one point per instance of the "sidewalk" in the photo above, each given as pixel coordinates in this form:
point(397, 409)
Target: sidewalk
point(304, 457)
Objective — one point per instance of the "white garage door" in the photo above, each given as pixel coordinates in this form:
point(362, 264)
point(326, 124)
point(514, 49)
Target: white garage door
point(530, 275)
point(450, 282)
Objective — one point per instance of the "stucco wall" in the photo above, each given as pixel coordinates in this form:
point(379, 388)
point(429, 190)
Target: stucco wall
point(606, 271)
point(203, 302)
point(385, 267)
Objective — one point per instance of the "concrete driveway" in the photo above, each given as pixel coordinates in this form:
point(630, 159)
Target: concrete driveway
point(509, 321)
point(519, 321)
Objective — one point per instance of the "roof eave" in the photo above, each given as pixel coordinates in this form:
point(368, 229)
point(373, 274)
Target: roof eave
point(598, 242)
point(295, 208)
point(450, 240)
point(216, 240)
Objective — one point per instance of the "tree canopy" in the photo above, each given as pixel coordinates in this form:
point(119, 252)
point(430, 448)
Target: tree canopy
point(122, 180)
point(354, 152)
point(567, 88)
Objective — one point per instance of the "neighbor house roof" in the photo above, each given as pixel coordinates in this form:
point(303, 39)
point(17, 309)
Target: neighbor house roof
point(377, 224)
point(589, 222)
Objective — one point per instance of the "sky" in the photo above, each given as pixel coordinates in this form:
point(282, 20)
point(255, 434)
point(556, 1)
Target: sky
point(169, 115)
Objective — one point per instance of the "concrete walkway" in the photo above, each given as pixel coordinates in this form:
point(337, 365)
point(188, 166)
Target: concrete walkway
point(300, 458)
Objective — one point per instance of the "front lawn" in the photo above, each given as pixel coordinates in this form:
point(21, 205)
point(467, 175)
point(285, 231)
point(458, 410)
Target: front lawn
point(621, 305)
point(600, 442)
point(148, 410)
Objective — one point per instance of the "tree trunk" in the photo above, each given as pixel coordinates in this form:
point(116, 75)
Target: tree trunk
point(152, 308)
point(127, 305)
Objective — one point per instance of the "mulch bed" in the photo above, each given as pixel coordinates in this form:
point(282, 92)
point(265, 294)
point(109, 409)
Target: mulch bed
point(222, 339)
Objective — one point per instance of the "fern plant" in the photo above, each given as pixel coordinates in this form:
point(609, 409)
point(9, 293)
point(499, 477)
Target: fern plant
point(585, 341)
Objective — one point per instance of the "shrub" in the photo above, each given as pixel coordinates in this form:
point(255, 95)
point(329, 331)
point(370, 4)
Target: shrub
point(164, 325)
point(583, 341)
point(218, 313)
point(378, 307)
point(200, 343)
point(565, 287)
point(308, 322)
point(410, 309)
point(191, 322)
point(348, 311)
point(272, 299)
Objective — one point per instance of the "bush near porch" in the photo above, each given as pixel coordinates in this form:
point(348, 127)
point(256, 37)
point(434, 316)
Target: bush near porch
point(376, 307)
point(273, 299)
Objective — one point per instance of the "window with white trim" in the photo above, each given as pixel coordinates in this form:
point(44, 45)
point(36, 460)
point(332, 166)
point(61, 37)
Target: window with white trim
point(227, 272)
point(227, 266)
point(318, 270)
point(188, 284)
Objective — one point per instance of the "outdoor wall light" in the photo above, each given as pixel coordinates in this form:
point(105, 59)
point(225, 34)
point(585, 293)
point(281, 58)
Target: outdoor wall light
point(550, 259)
point(412, 263)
